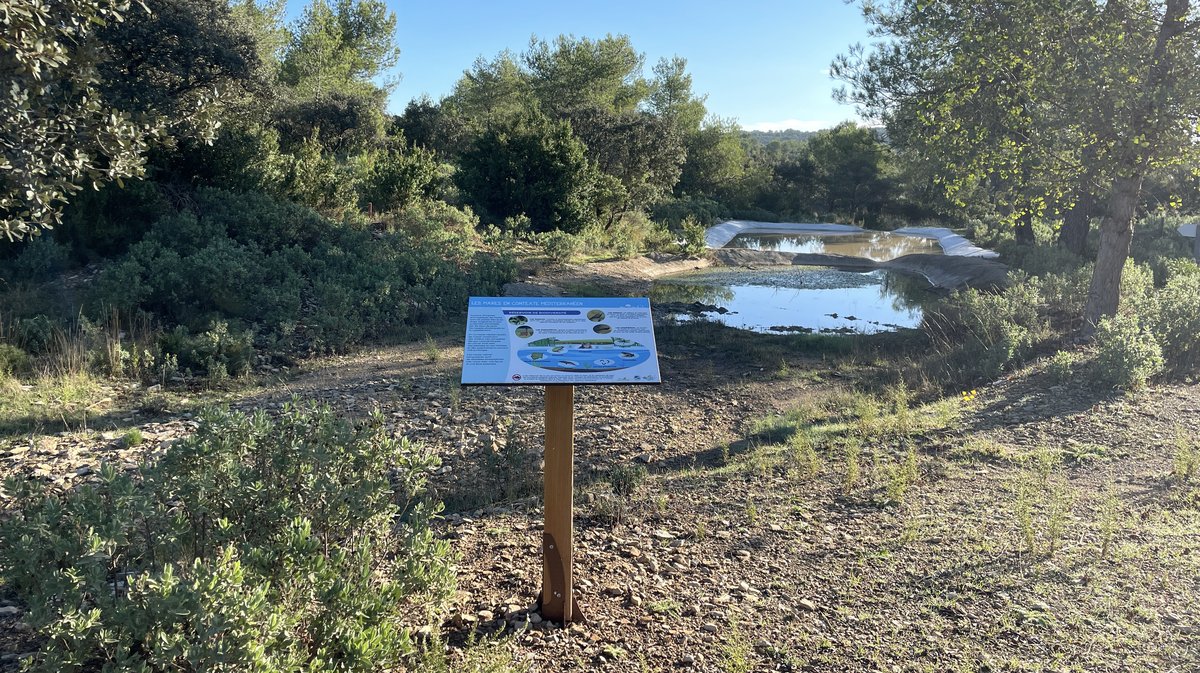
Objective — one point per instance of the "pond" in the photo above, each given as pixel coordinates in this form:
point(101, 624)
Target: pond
point(796, 299)
point(876, 245)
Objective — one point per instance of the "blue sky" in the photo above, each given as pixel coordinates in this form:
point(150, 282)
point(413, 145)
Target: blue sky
point(762, 62)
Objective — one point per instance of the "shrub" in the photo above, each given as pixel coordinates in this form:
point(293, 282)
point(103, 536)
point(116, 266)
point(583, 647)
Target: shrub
point(217, 353)
point(301, 543)
point(560, 246)
point(674, 212)
point(36, 335)
point(692, 240)
point(441, 224)
point(38, 260)
point(302, 282)
point(13, 360)
point(1175, 318)
point(981, 333)
point(1063, 366)
point(399, 178)
point(1065, 293)
point(1127, 354)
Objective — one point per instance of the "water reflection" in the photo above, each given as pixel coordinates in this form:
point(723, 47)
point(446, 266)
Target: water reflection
point(785, 298)
point(877, 245)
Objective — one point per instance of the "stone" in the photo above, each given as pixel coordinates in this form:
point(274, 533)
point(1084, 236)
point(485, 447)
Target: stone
point(807, 605)
point(710, 628)
point(486, 615)
point(10, 611)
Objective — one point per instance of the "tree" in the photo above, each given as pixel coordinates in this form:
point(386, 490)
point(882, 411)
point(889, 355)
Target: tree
point(340, 48)
point(671, 97)
point(849, 163)
point(91, 85)
point(715, 159)
point(641, 152)
point(578, 72)
point(1050, 102)
point(491, 92)
point(531, 166)
point(185, 64)
point(264, 21)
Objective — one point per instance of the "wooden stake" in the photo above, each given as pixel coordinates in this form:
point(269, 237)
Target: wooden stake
point(557, 581)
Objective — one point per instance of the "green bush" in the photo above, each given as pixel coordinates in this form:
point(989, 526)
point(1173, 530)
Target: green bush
point(36, 335)
point(1175, 317)
point(296, 544)
point(13, 360)
point(692, 236)
point(560, 246)
point(217, 353)
point(440, 224)
point(1127, 354)
point(38, 260)
point(1063, 366)
point(702, 210)
point(399, 178)
point(981, 333)
point(1065, 293)
point(299, 281)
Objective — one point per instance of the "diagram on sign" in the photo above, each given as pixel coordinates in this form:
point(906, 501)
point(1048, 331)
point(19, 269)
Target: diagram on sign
point(547, 340)
point(584, 355)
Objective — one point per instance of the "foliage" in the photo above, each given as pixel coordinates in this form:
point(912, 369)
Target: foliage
point(86, 104)
point(561, 246)
point(13, 360)
point(1127, 353)
point(216, 353)
point(1174, 318)
point(1024, 101)
point(983, 332)
point(535, 167)
point(1064, 366)
point(399, 178)
point(48, 52)
point(692, 237)
point(39, 259)
point(340, 48)
point(299, 280)
point(341, 123)
point(304, 543)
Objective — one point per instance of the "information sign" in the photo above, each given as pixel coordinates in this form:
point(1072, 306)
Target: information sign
point(559, 341)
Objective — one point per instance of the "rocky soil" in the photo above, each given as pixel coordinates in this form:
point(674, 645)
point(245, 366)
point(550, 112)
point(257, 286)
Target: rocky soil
point(726, 560)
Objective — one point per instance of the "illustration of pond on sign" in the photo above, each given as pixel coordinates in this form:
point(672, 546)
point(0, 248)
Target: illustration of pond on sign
point(584, 355)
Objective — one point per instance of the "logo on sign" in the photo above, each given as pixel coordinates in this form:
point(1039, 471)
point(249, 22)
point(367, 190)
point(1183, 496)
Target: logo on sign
point(516, 377)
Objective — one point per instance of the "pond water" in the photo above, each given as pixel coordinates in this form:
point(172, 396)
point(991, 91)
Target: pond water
point(877, 245)
point(796, 299)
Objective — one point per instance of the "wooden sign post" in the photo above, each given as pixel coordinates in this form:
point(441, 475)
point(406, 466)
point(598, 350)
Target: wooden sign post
point(557, 572)
point(559, 342)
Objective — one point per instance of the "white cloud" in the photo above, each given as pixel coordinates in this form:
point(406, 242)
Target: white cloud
point(798, 124)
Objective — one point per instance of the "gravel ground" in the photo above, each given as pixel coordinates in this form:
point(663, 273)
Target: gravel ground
point(726, 559)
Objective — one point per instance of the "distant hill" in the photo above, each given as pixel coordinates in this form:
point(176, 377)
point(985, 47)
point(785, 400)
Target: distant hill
point(768, 137)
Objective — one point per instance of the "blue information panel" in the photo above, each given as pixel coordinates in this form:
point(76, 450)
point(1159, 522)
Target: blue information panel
point(559, 340)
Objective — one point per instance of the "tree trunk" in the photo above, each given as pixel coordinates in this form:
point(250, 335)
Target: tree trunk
point(1116, 228)
point(1116, 232)
point(1024, 230)
point(1196, 242)
point(1076, 226)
